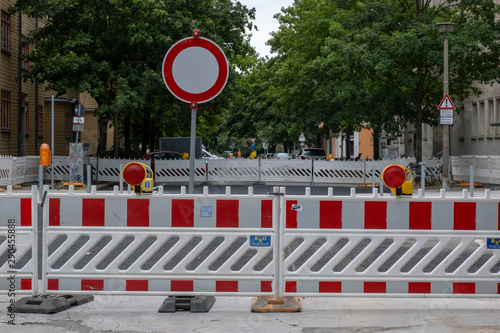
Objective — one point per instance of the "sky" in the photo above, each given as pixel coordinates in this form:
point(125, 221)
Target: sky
point(264, 12)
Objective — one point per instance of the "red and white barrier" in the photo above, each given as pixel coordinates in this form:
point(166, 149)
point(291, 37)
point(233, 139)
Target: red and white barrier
point(162, 212)
point(159, 244)
point(391, 245)
point(393, 214)
point(165, 244)
point(18, 242)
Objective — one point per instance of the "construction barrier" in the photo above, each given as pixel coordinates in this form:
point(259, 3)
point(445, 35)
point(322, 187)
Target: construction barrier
point(18, 242)
point(254, 245)
point(391, 246)
point(158, 244)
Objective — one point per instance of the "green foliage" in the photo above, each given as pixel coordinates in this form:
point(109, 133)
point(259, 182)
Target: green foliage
point(373, 63)
point(113, 49)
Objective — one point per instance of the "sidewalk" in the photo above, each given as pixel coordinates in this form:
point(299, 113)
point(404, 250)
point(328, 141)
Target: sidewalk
point(232, 314)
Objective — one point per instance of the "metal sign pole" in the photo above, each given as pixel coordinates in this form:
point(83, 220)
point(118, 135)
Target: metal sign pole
point(192, 146)
point(52, 145)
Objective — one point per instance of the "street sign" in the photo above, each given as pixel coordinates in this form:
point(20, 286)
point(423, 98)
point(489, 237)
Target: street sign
point(195, 69)
point(302, 137)
point(77, 128)
point(252, 140)
point(78, 120)
point(79, 110)
point(446, 104)
point(446, 117)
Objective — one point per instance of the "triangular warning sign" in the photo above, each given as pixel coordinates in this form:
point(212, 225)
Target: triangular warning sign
point(446, 104)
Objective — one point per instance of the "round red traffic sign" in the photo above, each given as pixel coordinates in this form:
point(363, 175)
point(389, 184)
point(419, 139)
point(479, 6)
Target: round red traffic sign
point(195, 70)
point(394, 176)
point(133, 173)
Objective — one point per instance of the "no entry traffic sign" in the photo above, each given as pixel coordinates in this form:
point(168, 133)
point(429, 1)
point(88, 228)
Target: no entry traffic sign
point(195, 69)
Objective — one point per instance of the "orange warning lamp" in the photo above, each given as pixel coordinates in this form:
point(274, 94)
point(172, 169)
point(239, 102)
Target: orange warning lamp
point(45, 155)
point(398, 179)
point(139, 176)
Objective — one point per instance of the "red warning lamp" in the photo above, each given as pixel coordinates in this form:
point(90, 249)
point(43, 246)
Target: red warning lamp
point(139, 176)
point(396, 178)
point(134, 173)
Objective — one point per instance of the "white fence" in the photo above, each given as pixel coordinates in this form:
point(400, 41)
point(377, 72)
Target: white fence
point(18, 170)
point(486, 168)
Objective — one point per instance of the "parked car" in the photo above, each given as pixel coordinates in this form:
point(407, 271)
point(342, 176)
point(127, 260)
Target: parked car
point(208, 155)
point(283, 156)
point(312, 153)
point(161, 155)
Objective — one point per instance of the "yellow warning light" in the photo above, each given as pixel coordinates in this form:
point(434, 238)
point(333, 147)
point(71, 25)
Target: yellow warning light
point(399, 179)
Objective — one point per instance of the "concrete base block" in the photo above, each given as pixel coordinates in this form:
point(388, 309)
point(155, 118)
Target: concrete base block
point(191, 303)
point(50, 304)
point(269, 304)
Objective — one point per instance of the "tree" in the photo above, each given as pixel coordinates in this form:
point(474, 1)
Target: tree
point(113, 49)
point(377, 63)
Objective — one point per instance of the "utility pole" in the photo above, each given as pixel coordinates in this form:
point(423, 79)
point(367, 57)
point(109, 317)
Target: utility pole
point(445, 28)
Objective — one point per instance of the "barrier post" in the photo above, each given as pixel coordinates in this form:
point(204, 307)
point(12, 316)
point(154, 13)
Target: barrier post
point(89, 177)
point(471, 180)
point(422, 177)
point(373, 176)
point(278, 303)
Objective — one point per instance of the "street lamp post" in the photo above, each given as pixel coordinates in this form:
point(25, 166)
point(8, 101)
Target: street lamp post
point(445, 28)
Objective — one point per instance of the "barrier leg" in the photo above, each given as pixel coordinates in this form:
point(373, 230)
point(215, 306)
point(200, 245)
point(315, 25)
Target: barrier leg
point(278, 303)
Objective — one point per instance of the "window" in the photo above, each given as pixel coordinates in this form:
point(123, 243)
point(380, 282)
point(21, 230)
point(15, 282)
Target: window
point(40, 120)
point(26, 119)
point(5, 33)
point(473, 121)
point(496, 111)
point(5, 110)
point(481, 120)
point(490, 114)
point(25, 50)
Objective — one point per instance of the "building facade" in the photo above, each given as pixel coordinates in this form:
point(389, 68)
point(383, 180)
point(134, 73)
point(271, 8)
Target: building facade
point(26, 107)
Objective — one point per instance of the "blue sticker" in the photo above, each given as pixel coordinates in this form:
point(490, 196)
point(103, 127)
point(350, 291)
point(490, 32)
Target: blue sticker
point(206, 211)
point(260, 241)
point(147, 185)
point(493, 243)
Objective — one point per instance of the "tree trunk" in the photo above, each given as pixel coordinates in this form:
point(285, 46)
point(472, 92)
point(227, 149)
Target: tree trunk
point(115, 134)
point(348, 152)
point(418, 137)
point(126, 128)
point(376, 143)
point(103, 136)
point(145, 132)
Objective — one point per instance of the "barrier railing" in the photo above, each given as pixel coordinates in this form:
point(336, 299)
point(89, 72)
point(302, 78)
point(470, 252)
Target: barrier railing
point(178, 171)
point(274, 244)
point(18, 170)
point(18, 242)
point(158, 245)
point(382, 246)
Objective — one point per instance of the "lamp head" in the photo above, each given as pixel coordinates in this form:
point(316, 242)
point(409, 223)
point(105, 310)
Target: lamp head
point(446, 27)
